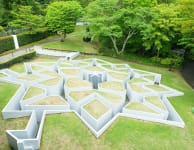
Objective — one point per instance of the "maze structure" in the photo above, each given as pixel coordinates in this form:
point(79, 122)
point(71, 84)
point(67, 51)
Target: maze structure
point(97, 91)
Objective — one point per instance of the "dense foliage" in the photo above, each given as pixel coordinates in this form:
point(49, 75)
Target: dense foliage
point(151, 28)
point(6, 43)
point(62, 16)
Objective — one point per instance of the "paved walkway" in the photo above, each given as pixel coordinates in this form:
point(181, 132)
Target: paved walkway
point(22, 51)
point(14, 54)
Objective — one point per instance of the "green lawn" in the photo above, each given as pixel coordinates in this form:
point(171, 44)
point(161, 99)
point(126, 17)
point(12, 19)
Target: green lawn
point(73, 42)
point(66, 131)
point(7, 90)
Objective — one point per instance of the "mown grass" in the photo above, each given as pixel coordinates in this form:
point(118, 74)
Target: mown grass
point(73, 42)
point(7, 90)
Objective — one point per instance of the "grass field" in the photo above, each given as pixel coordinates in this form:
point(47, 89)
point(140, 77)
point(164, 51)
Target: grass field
point(73, 42)
point(7, 90)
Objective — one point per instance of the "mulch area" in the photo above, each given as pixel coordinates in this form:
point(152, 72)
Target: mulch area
point(188, 73)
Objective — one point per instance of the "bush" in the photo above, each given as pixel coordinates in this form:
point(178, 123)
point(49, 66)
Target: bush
point(155, 60)
point(28, 37)
point(1, 29)
point(176, 61)
point(6, 43)
point(17, 59)
point(191, 54)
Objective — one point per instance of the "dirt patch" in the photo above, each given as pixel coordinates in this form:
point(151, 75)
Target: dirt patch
point(139, 107)
point(51, 100)
point(76, 82)
point(96, 108)
point(113, 85)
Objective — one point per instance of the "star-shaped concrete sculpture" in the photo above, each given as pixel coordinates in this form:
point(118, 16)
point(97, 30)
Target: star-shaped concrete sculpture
point(95, 90)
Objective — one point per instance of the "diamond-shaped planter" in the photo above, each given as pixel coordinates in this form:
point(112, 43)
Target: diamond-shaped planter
point(96, 113)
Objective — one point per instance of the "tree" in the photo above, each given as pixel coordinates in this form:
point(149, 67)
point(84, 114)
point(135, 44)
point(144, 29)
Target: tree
point(13, 5)
point(117, 19)
point(1, 11)
point(161, 28)
point(62, 16)
point(186, 22)
point(24, 18)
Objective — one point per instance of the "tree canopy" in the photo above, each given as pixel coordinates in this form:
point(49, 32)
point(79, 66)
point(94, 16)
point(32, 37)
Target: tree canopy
point(25, 18)
point(62, 16)
point(146, 27)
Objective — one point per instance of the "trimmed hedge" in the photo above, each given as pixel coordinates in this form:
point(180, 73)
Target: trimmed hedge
point(7, 43)
point(17, 59)
point(27, 37)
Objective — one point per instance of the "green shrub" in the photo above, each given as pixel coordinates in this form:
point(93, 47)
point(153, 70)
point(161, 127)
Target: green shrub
point(193, 110)
point(1, 29)
point(155, 60)
point(17, 59)
point(191, 54)
point(175, 62)
point(29, 37)
point(6, 43)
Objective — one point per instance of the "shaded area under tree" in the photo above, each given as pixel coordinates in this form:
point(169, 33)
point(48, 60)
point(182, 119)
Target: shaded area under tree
point(188, 73)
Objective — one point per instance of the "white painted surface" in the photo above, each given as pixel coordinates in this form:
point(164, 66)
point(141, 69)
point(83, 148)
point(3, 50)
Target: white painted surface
point(15, 39)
